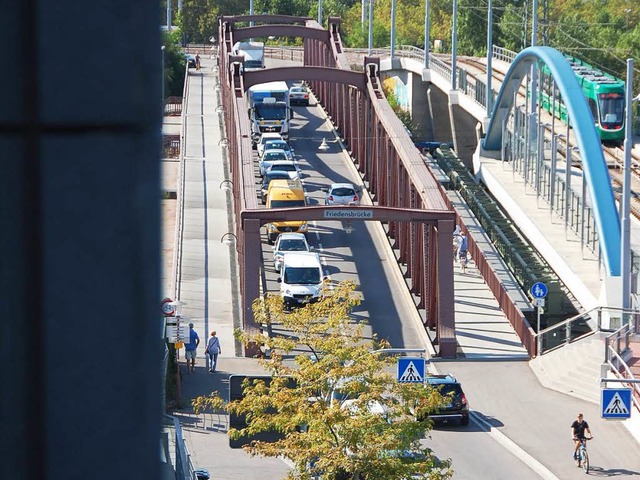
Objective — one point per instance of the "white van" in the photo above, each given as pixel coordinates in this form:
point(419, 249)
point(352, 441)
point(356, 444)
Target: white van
point(301, 278)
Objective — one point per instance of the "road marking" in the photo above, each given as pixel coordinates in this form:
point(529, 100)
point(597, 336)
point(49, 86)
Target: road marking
point(513, 447)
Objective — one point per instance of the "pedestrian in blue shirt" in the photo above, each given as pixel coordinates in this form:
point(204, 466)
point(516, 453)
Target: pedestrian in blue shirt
point(190, 349)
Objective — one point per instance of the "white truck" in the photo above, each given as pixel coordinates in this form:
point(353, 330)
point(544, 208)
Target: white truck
point(269, 109)
point(253, 53)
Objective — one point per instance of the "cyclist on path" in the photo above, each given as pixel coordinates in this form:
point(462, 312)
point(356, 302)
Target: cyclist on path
point(578, 428)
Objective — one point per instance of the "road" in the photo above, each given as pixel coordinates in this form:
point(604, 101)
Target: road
point(363, 256)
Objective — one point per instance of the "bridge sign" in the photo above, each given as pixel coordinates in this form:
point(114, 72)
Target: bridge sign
point(411, 370)
point(616, 403)
point(539, 290)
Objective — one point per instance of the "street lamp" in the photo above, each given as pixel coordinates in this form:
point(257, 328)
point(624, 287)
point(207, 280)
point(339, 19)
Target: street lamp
point(162, 90)
point(625, 211)
point(320, 12)
point(370, 26)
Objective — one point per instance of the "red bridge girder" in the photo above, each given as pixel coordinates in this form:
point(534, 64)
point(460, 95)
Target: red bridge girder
point(392, 168)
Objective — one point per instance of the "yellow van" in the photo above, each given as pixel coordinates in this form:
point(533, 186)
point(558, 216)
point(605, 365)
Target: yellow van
point(285, 194)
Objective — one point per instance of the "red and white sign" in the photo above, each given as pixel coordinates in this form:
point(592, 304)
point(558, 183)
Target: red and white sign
point(168, 307)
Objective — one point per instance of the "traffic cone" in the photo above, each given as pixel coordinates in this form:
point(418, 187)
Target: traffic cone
point(323, 145)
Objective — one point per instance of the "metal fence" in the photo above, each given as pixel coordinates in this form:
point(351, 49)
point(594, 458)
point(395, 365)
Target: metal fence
point(174, 450)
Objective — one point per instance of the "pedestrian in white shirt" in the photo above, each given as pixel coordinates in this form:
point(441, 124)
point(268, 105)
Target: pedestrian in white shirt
point(213, 350)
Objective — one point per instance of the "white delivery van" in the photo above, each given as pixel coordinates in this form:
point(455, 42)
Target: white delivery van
point(301, 278)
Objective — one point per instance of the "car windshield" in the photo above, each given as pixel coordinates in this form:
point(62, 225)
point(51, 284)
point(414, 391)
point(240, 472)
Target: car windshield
point(287, 203)
point(302, 275)
point(284, 168)
point(276, 144)
point(292, 246)
point(278, 176)
point(270, 111)
point(343, 192)
point(274, 156)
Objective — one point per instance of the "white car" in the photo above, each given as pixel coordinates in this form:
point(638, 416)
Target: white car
point(269, 157)
point(289, 242)
point(299, 95)
point(287, 166)
point(264, 138)
point(281, 145)
point(341, 194)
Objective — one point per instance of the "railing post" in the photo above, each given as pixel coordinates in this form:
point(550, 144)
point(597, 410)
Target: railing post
point(539, 344)
point(567, 339)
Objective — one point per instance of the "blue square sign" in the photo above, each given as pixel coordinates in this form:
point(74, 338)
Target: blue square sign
point(616, 403)
point(411, 370)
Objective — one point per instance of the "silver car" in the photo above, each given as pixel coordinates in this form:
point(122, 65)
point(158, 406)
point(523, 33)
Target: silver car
point(341, 194)
point(269, 157)
point(279, 145)
point(288, 242)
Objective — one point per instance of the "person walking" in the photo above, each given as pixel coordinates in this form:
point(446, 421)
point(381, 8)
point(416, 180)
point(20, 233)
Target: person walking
point(463, 249)
point(191, 348)
point(197, 62)
point(213, 350)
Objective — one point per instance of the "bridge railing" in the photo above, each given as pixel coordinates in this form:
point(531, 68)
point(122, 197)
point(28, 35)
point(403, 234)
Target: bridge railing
point(504, 54)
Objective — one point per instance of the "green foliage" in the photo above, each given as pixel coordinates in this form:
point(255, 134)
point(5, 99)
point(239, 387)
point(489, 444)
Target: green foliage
point(174, 65)
point(347, 414)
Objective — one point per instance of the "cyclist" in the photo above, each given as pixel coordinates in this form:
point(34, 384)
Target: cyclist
point(578, 428)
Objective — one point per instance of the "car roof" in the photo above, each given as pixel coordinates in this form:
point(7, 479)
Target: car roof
point(274, 174)
point(277, 141)
point(271, 135)
point(302, 259)
point(283, 162)
point(440, 379)
point(342, 185)
point(292, 236)
point(274, 150)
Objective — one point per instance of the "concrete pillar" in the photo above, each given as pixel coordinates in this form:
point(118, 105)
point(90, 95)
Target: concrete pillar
point(80, 271)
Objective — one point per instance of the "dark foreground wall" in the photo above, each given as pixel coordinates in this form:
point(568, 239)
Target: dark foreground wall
point(80, 355)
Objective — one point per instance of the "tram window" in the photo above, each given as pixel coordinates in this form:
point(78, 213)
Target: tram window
point(611, 108)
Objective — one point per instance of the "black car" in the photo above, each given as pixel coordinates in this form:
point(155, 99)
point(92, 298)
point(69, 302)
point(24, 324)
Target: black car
point(271, 175)
point(190, 59)
point(455, 406)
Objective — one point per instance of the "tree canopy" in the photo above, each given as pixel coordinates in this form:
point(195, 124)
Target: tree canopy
point(347, 417)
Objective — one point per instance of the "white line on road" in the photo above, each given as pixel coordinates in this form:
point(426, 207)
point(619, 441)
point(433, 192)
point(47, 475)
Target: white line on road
point(510, 445)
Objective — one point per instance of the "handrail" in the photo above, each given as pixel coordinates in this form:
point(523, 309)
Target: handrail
point(504, 54)
point(566, 324)
point(179, 228)
point(635, 398)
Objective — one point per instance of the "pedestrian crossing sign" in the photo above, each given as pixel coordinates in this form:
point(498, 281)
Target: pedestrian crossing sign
point(411, 370)
point(616, 403)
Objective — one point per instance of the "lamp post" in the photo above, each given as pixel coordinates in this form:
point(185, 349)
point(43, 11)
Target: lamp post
point(454, 45)
point(489, 57)
point(426, 34)
point(162, 90)
point(168, 16)
point(625, 247)
point(370, 26)
point(393, 30)
point(320, 12)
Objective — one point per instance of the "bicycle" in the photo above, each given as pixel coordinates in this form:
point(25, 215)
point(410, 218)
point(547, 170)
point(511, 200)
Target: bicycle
point(582, 456)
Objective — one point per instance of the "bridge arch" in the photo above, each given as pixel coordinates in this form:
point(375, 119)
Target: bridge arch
point(594, 166)
point(325, 74)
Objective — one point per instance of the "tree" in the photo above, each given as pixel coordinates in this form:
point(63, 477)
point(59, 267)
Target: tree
point(347, 417)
